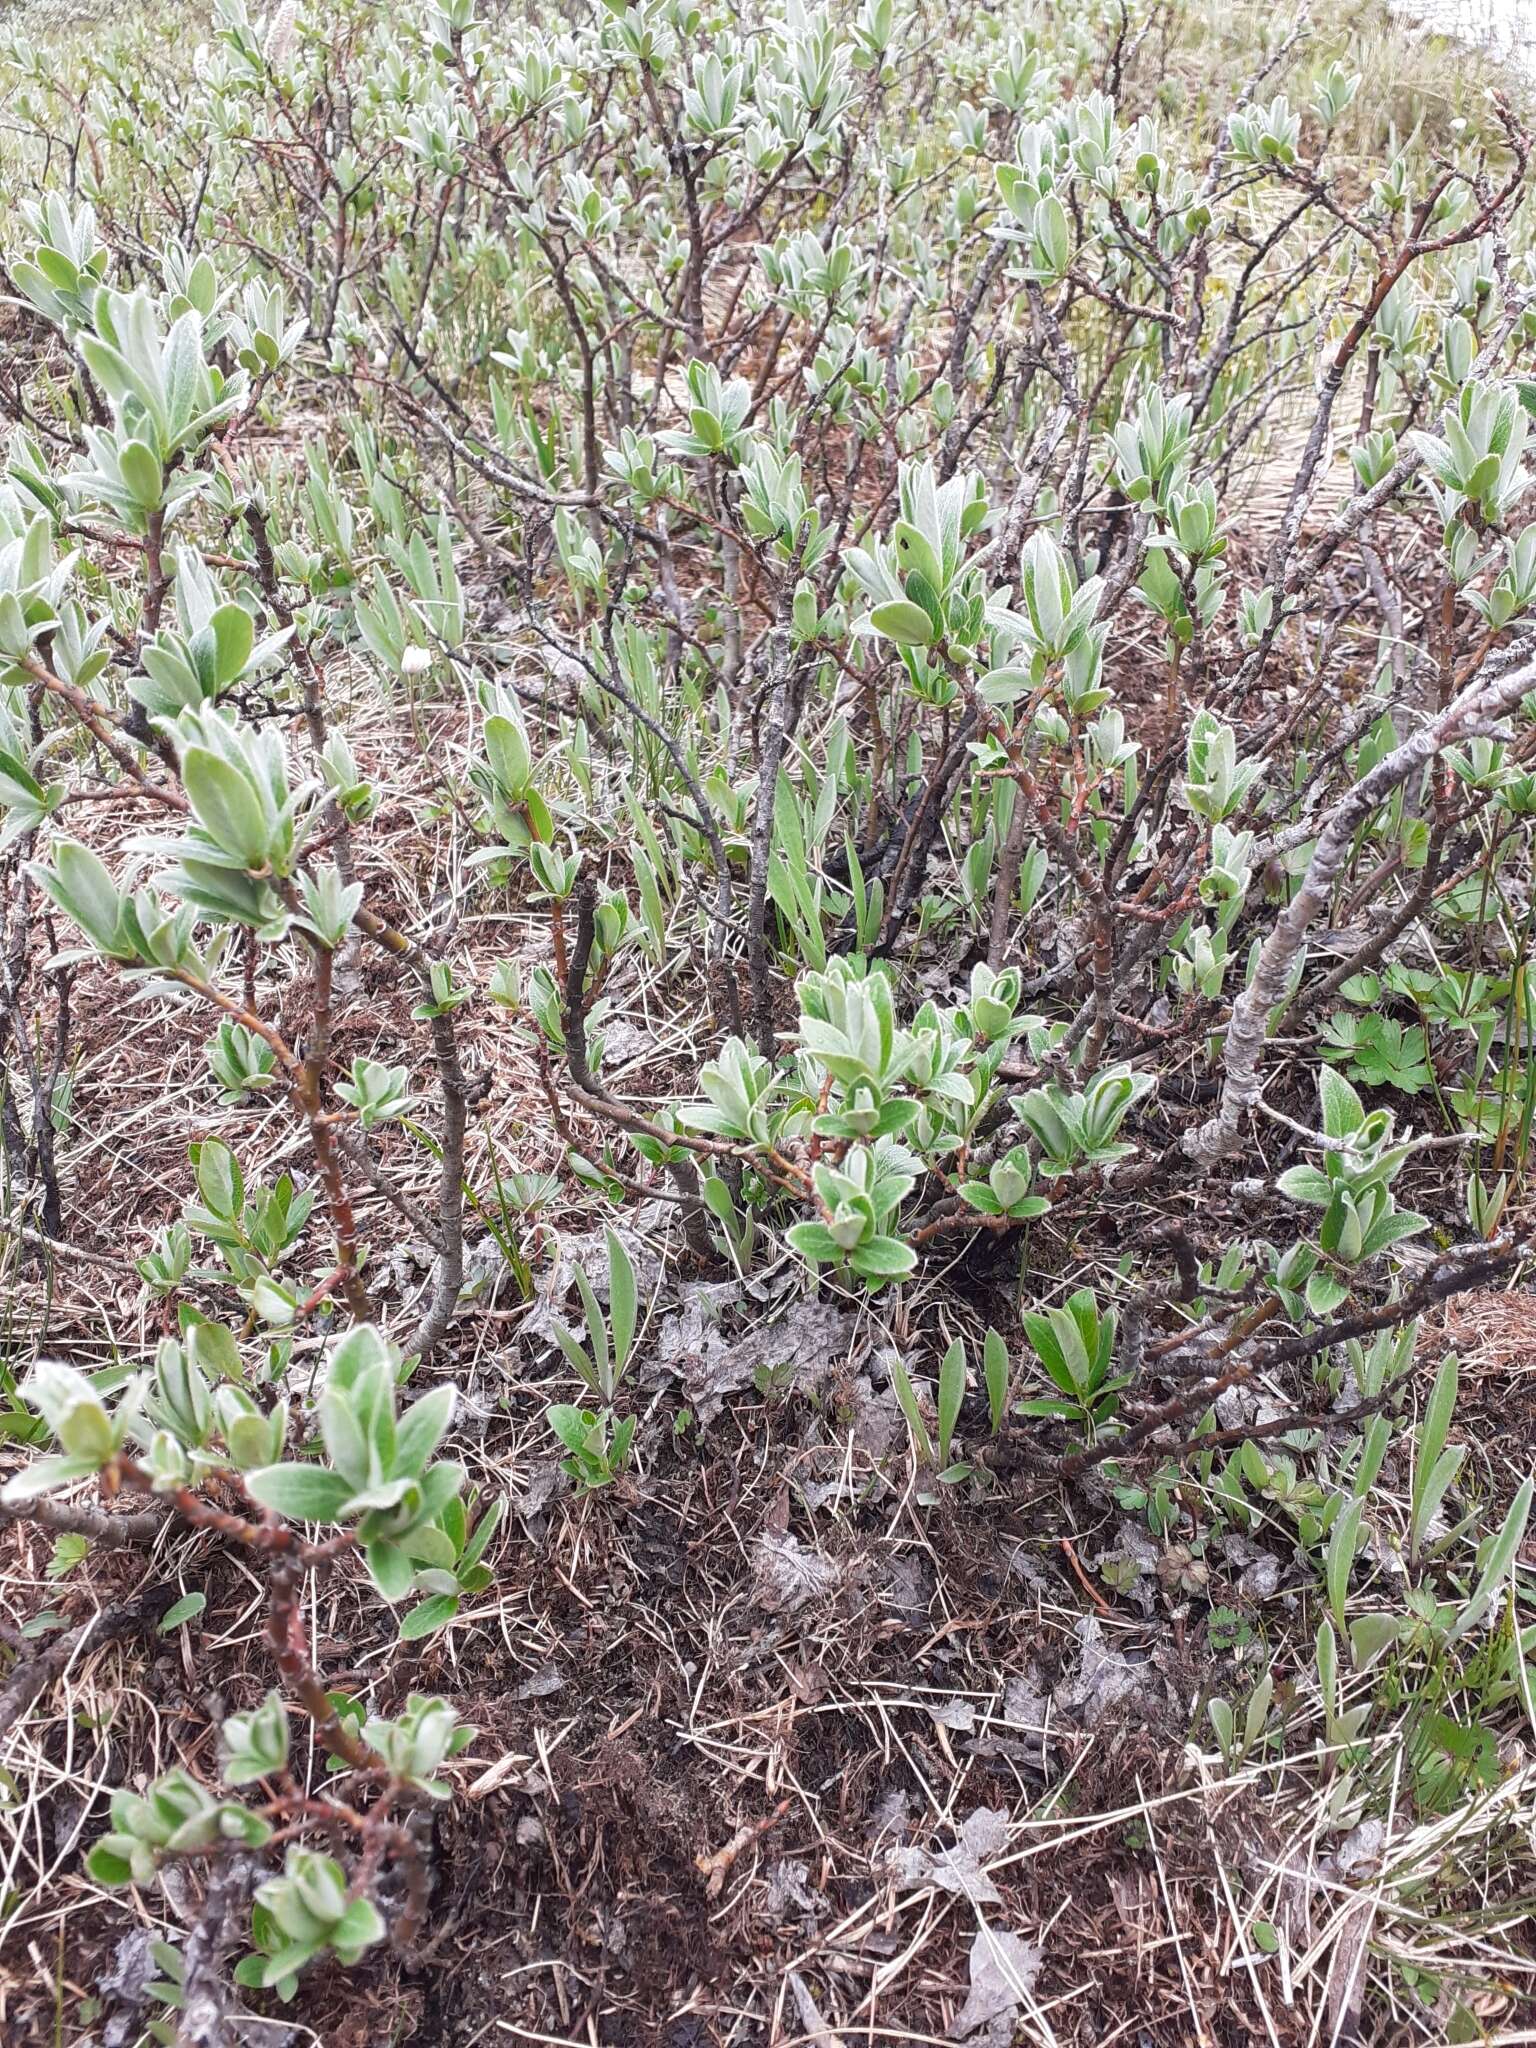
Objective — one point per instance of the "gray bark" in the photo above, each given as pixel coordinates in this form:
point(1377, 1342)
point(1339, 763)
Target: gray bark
point(1483, 700)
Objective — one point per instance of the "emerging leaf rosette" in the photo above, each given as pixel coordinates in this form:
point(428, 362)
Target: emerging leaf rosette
point(1353, 1185)
point(377, 1476)
point(175, 1817)
point(137, 931)
point(236, 780)
point(424, 1738)
point(90, 1435)
point(859, 1201)
point(298, 1915)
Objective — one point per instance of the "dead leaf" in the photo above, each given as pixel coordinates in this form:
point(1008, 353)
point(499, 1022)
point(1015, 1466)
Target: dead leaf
point(791, 1575)
point(544, 1681)
point(1103, 1679)
point(816, 2029)
point(1003, 1972)
point(803, 1343)
point(959, 1869)
point(906, 1584)
point(957, 1713)
point(789, 1891)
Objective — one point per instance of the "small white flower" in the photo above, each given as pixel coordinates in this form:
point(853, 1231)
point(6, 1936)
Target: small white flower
point(415, 661)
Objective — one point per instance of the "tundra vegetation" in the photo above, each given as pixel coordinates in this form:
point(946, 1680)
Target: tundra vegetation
point(766, 1026)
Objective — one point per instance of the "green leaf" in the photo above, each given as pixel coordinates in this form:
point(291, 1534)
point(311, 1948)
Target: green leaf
point(1073, 1348)
point(1051, 233)
point(119, 379)
point(107, 1867)
point(623, 1437)
point(623, 1301)
point(1370, 1634)
point(1041, 1332)
point(814, 1241)
point(1342, 1545)
point(86, 891)
point(1343, 1111)
point(951, 1396)
point(360, 1925)
point(43, 1474)
point(428, 1615)
point(279, 1972)
point(1501, 1556)
point(570, 1424)
point(213, 1345)
point(432, 1548)
point(904, 622)
point(57, 269)
point(390, 1569)
point(994, 1368)
point(1325, 1293)
point(181, 363)
point(882, 1259)
point(1328, 1664)
point(141, 472)
point(597, 1332)
point(219, 1180)
point(234, 635)
point(1373, 1450)
point(575, 1355)
point(304, 1493)
point(15, 772)
point(485, 1529)
point(226, 806)
point(1438, 1410)
point(186, 1608)
point(506, 747)
point(914, 551)
point(922, 1443)
point(421, 1428)
point(439, 1484)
